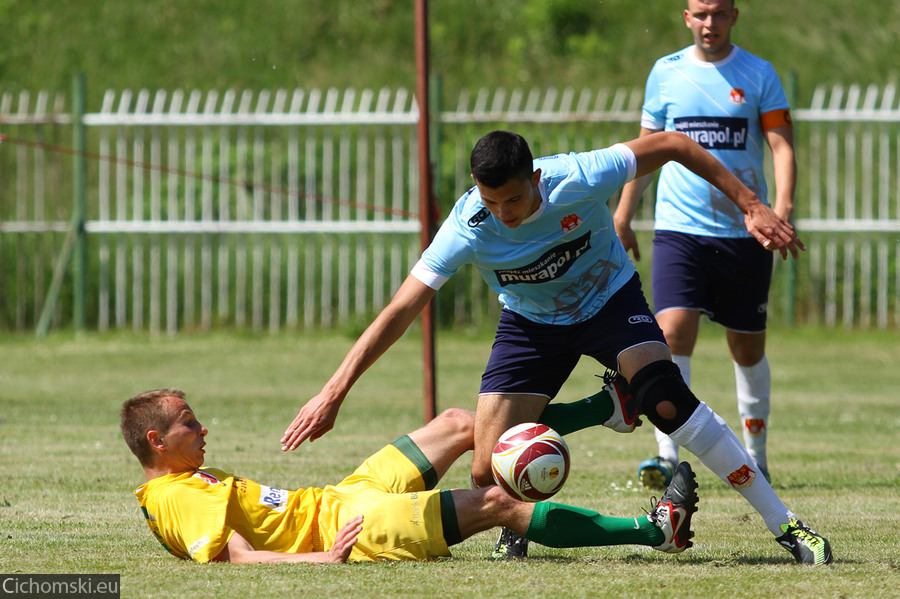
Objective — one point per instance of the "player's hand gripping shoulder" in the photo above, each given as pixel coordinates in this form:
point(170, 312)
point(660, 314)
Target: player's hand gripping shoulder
point(314, 420)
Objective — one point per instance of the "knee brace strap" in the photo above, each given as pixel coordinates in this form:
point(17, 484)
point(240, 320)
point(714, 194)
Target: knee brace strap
point(658, 382)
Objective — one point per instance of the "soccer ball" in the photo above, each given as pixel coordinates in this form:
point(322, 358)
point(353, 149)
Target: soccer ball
point(530, 461)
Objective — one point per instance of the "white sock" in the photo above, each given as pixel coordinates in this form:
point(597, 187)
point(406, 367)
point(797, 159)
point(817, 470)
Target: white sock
point(754, 386)
point(707, 436)
point(668, 449)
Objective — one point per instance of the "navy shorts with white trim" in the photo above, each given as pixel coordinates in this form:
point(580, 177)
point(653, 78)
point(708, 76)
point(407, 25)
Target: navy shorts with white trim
point(536, 359)
point(728, 279)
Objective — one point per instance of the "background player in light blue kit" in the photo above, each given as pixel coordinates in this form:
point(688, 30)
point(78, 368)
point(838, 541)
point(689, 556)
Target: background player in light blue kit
point(541, 234)
point(704, 261)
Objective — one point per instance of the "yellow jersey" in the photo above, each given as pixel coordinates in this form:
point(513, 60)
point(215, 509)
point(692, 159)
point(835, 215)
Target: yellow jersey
point(193, 514)
point(221, 504)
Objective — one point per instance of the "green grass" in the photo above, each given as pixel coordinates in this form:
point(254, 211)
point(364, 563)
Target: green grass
point(66, 476)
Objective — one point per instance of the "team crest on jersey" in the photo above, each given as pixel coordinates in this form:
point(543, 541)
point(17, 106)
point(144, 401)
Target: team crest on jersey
point(570, 223)
point(737, 97)
point(206, 477)
point(479, 217)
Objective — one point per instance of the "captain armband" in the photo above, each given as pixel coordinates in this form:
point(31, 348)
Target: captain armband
point(776, 118)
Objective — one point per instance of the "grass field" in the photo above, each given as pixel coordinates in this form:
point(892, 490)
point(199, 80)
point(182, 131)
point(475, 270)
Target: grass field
point(272, 44)
point(66, 476)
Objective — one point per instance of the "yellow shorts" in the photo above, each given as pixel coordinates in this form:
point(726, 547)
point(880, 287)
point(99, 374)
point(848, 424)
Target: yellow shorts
point(402, 518)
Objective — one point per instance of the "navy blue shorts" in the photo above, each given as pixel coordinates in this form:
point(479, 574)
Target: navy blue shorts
point(728, 279)
point(536, 359)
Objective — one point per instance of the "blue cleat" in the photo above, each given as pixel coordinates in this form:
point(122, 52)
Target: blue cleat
point(656, 473)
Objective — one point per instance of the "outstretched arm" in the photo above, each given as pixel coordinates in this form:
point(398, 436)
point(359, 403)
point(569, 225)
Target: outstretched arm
point(239, 551)
point(318, 415)
point(773, 232)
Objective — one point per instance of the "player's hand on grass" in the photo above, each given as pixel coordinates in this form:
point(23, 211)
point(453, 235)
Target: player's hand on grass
point(314, 420)
point(773, 232)
point(345, 539)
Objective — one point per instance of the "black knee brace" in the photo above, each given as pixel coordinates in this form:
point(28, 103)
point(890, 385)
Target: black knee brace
point(658, 382)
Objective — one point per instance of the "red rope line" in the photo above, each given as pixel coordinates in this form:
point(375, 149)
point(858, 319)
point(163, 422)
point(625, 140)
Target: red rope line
point(147, 166)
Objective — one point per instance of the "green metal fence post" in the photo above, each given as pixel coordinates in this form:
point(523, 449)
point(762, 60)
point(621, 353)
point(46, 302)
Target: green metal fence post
point(79, 263)
point(74, 246)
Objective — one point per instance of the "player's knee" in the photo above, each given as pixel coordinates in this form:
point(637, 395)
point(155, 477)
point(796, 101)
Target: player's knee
point(457, 424)
point(498, 504)
point(664, 397)
point(494, 495)
point(459, 416)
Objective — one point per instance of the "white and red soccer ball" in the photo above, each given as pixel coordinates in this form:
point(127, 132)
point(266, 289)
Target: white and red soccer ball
point(530, 461)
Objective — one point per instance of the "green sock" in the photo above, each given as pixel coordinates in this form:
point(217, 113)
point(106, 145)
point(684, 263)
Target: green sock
point(567, 418)
point(558, 525)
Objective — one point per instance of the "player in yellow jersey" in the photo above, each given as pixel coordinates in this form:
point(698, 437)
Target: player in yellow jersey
point(388, 508)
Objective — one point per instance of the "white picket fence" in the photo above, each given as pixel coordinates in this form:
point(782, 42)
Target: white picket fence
point(852, 169)
point(299, 209)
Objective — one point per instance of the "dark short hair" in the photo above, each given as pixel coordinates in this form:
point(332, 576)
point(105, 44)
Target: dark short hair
point(500, 156)
point(143, 413)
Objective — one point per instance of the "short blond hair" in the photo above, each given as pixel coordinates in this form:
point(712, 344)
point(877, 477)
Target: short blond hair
point(143, 413)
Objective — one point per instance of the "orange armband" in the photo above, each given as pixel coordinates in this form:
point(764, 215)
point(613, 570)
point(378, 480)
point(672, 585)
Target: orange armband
point(776, 118)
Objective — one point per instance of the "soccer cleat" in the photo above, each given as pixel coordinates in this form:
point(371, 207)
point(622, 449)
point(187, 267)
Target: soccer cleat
point(656, 473)
point(806, 545)
point(673, 512)
point(510, 545)
point(626, 411)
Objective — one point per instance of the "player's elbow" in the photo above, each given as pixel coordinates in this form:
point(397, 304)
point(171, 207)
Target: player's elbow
point(236, 551)
point(224, 556)
point(676, 141)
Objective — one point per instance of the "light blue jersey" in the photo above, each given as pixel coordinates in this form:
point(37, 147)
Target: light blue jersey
point(719, 105)
point(564, 262)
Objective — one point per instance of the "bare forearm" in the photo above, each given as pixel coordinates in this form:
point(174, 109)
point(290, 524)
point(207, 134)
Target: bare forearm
point(785, 184)
point(770, 230)
point(781, 142)
point(631, 196)
point(318, 415)
point(271, 557)
point(239, 551)
point(384, 331)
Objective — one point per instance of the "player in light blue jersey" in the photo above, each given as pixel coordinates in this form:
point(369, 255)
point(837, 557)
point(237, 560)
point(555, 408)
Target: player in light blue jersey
point(560, 264)
point(541, 234)
point(704, 262)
